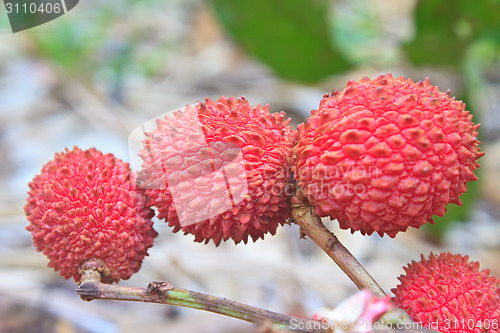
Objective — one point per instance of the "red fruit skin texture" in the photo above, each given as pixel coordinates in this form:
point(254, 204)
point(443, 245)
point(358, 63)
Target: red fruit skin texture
point(450, 294)
point(83, 205)
point(386, 154)
point(228, 127)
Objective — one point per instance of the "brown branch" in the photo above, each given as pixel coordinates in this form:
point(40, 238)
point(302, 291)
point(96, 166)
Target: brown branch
point(95, 270)
point(91, 288)
point(311, 226)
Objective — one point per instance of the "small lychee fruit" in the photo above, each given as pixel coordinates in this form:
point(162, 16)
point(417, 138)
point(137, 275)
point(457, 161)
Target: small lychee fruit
point(450, 294)
point(219, 170)
point(84, 205)
point(386, 154)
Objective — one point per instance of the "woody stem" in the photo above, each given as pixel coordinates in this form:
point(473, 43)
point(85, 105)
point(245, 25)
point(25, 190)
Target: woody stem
point(310, 224)
point(91, 287)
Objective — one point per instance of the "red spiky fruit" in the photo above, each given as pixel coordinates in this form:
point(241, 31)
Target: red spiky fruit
point(450, 294)
point(219, 170)
point(385, 154)
point(83, 205)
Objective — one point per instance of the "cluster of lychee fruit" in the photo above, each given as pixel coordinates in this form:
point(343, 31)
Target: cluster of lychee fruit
point(379, 156)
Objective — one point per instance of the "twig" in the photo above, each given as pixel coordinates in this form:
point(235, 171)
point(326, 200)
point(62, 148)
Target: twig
point(91, 288)
point(94, 271)
point(310, 225)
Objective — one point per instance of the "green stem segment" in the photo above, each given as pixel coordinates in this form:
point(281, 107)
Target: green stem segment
point(90, 288)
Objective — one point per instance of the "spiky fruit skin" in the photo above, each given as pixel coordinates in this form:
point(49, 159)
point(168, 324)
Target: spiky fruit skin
point(174, 152)
point(83, 205)
point(450, 294)
point(385, 154)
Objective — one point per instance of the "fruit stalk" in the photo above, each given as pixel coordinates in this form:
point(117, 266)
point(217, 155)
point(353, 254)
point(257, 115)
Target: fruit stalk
point(310, 223)
point(91, 287)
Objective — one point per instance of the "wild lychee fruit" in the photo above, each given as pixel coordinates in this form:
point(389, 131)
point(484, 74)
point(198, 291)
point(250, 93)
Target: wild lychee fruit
point(83, 205)
point(219, 170)
point(449, 294)
point(385, 154)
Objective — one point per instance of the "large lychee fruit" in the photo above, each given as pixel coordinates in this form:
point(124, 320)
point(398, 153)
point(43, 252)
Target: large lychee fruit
point(385, 154)
point(219, 170)
point(449, 294)
point(84, 205)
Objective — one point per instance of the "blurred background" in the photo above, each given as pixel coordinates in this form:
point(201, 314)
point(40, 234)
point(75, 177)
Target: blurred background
point(91, 76)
